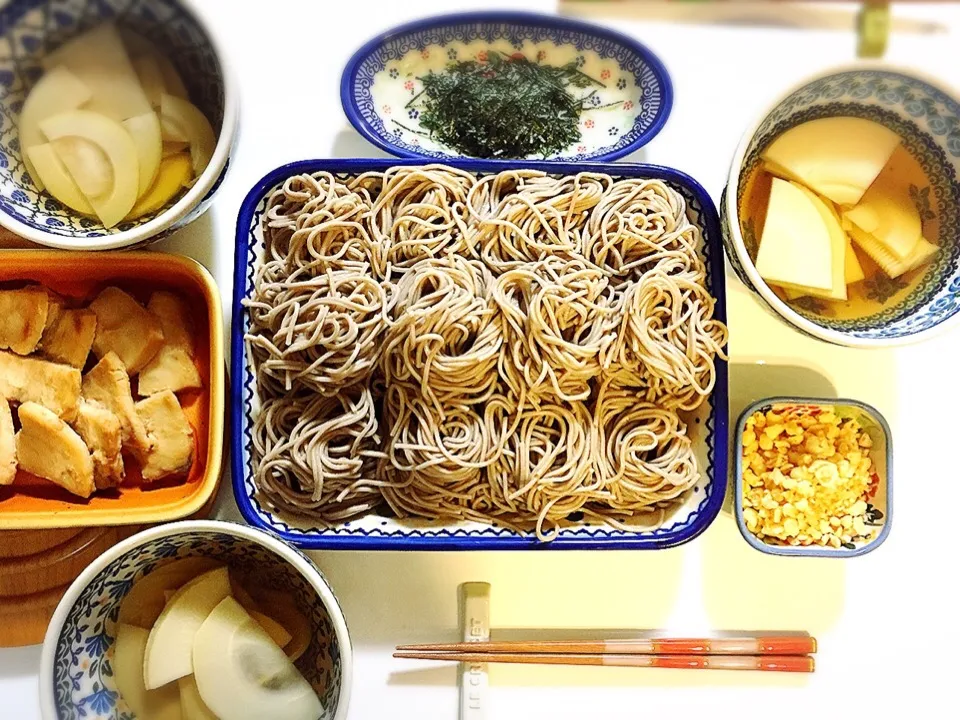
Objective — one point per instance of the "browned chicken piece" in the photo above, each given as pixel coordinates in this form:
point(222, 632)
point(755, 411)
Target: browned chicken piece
point(171, 435)
point(49, 448)
point(100, 430)
point(126, 328)
point(108, 384)
point(8, 446)
point(70, 338)
point(55, 386)
point(23, 314)
point(174, 316)
point(55, 307)
point(172, 368)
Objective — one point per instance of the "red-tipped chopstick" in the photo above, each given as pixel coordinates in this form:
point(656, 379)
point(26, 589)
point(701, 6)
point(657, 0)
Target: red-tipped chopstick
point(767, 663)
point(771, 645)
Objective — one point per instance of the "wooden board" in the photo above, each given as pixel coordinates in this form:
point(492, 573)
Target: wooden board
point(37, 567)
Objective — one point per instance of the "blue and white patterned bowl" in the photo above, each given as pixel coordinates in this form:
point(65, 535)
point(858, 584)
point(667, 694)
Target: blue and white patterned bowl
point(76, 677)
point(29, 29)
point(382, 77)
point(880, 502)
point(926, 115)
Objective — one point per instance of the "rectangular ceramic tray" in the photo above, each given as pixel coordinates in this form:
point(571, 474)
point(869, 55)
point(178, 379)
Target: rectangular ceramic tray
point(34, 503)
point(375, 532)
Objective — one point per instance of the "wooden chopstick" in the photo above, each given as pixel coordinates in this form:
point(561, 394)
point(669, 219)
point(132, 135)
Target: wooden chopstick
point(767, 663)
point(771, 645)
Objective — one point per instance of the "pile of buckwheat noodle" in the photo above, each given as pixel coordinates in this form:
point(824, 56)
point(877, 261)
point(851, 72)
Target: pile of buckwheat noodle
point(509, 349)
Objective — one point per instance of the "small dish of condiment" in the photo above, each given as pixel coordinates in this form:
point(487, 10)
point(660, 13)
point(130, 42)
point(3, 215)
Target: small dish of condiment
point(813, 477)
point(503, 85)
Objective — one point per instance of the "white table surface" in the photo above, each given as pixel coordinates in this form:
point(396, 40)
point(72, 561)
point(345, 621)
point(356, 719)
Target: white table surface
point(887, 622)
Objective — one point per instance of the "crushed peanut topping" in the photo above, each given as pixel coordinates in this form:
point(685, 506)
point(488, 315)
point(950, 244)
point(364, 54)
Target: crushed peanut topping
point(807, 477)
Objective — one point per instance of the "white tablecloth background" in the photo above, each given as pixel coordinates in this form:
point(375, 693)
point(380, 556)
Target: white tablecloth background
point(887, 622)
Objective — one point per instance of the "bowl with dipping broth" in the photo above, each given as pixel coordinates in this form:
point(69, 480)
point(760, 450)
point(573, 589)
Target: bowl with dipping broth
point(221, 619)
point(842, 207)
point(117, 120)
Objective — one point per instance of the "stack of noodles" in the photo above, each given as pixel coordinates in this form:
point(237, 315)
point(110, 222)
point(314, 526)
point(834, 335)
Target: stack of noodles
point(511, 349)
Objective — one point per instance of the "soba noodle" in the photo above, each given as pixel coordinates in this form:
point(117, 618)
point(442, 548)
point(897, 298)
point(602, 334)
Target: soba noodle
point(510, 349)
point(320, 453)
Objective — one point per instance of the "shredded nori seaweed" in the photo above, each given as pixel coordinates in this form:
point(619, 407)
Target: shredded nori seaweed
point(507, 107)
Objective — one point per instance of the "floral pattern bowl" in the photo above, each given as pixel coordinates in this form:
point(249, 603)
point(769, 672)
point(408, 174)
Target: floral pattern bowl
point(927, 118)
point(29, 29)
point(879, 497)
point(628, 103)
point(76, 674)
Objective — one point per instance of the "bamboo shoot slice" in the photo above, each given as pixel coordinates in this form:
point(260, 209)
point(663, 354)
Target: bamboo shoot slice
point(169, 646)
point(99, 59)
point(175, 171)
point(56, 178)
point(57, 91)
point(148, 72)
point(181, 120)
point(128, 650)
point(145, 131)
point(118, 147)
point(243, 675)
point(172, 81)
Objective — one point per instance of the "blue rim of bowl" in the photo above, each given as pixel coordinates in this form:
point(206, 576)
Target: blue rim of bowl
point(300, 562)
point(718, 449)
point(349, 101)
point(809, 551)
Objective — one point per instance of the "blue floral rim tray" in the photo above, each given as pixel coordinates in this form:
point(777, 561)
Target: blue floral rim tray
point(707, 427)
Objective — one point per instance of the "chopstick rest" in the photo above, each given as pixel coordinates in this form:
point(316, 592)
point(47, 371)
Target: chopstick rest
point(475, 630)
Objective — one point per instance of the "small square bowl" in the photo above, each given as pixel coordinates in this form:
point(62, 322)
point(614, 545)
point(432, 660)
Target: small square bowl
point(881, 454)
point(30, 503)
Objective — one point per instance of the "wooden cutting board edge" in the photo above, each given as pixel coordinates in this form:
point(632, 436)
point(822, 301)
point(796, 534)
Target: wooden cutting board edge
point(35, 573)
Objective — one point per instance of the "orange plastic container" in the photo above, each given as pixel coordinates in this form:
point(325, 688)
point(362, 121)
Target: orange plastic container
point(32, 502)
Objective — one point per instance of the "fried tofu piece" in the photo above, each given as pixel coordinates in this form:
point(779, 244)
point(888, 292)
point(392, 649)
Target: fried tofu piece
point(171, 435)
point(100, 430)
point(108, 384)
point(70, 337)
point(55, 386)
point(172, 368)
point(23, 315)
point(8, 445)
point(49, 448)
point(126, 328)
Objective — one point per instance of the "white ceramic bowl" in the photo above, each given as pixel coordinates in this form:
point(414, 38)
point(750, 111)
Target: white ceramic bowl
point(29, 29)
point(926, 115)
point(76, 679)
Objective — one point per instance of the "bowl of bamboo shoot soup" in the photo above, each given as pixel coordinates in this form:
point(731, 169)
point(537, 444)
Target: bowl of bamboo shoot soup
point(117, 121)
point(198, 619)
point(842, 207)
